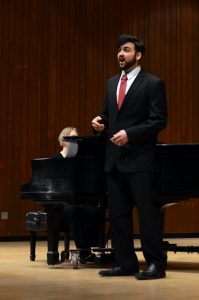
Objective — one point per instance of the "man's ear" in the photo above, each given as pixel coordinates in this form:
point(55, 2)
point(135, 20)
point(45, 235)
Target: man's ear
point(138, 55)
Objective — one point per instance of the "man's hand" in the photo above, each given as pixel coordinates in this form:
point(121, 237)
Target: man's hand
point(97, 125)
point(120, 138)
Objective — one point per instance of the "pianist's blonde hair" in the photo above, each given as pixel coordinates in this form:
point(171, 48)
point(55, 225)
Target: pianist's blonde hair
point(66, 131)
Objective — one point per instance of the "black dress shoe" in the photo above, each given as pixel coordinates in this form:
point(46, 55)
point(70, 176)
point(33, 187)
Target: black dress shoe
point(151, 272)
point(116, 272)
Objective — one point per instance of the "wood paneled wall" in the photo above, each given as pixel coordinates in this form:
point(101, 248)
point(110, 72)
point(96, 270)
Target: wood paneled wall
point(55, 58)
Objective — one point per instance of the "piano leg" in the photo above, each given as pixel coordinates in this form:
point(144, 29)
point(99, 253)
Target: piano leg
point(32, 245)
point(53, 217)
point(161, 207)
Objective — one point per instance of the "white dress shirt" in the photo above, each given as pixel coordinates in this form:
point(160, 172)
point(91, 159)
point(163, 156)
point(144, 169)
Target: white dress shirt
point(130, 78)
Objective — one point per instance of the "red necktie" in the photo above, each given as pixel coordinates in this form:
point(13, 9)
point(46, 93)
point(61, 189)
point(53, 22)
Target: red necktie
point(122, 90)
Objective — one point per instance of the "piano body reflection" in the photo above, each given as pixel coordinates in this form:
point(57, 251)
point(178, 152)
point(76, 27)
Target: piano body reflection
point(82, 180)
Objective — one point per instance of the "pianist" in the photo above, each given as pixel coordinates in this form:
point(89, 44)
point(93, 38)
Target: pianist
point(68, 149)
point(83, 222)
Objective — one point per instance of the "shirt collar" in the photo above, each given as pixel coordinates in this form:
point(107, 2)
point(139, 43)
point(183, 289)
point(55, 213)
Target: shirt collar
point(133, 73)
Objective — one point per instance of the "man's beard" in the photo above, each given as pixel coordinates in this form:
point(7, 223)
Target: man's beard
point(129, 64)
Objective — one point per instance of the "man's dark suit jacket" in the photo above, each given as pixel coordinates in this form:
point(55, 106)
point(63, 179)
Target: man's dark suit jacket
point(142, 115)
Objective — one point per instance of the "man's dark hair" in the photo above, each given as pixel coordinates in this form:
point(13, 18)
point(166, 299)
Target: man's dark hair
point(125, 38)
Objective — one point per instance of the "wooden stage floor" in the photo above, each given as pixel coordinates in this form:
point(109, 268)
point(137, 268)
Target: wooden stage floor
point(25, 280)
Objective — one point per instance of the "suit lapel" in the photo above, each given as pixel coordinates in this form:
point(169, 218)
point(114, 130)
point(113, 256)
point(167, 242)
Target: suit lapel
point(114, 93)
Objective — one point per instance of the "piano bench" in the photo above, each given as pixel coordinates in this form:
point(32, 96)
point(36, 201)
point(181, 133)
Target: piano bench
point(37, 222)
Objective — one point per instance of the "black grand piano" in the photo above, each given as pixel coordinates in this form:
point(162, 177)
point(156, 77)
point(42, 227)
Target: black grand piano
point(81, 179)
